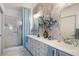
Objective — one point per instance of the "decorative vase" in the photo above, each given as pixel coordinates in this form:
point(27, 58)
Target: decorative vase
point(45, 34)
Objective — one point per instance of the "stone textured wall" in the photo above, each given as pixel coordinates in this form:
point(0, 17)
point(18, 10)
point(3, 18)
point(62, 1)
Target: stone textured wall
point(50, 10)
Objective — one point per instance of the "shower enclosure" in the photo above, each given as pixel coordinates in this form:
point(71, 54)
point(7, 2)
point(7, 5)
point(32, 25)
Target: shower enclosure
point(11, 31)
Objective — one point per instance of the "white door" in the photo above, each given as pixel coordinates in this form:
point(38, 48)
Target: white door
point(67, 26)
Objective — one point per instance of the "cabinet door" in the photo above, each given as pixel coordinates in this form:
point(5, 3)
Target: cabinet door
point(33, 47)
point(37, 48)
point(26, 42)
point(43, 49)
point(51, 51)
point(29, 43)
point(61, 53)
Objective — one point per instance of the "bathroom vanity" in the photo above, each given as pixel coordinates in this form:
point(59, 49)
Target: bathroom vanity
point(40, 46)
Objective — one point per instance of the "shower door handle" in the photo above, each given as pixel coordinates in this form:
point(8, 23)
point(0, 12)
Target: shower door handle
point(0, 34)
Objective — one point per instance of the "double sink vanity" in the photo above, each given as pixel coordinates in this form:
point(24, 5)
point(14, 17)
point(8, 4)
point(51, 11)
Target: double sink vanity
point(40, 46)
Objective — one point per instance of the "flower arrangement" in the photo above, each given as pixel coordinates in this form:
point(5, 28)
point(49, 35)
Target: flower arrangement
point(46, 23)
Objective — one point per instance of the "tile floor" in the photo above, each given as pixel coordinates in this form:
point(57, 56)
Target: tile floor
point(16, 51)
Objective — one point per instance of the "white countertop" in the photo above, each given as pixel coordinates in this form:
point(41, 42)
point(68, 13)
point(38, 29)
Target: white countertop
point(70, 49)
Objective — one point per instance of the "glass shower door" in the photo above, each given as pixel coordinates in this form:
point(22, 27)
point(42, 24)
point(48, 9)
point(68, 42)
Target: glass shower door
point(10, 32)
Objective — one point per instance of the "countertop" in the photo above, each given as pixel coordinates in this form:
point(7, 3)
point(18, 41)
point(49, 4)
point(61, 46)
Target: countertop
point(58, 45)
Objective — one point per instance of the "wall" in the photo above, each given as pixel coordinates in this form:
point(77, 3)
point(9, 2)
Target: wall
point(12, 12)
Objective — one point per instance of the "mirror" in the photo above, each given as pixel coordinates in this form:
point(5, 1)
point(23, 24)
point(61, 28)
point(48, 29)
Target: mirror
point(69, 23)
point(67, 26)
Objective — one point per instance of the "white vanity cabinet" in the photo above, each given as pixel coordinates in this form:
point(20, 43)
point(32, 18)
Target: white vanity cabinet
point(43, 47)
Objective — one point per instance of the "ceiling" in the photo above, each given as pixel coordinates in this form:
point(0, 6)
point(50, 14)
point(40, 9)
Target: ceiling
point(18, 6)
